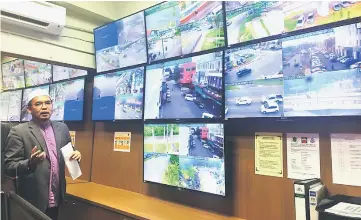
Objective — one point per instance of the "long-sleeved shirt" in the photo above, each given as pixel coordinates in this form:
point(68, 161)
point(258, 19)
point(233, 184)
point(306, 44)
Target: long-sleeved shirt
point(49, 136)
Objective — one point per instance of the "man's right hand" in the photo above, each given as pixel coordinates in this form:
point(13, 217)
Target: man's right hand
point(36, 157)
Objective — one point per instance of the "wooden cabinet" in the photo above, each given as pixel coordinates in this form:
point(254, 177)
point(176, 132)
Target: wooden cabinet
point(78, 209)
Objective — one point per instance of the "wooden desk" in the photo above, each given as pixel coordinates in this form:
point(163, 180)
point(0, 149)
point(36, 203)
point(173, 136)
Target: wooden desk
point(138, 206)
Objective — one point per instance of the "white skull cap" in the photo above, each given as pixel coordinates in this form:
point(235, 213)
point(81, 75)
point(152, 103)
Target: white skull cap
point(36, 93)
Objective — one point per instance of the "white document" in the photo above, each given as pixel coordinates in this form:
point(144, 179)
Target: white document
point(72, 165)
point(303, 156)
point(346, 159)
point(346, 209)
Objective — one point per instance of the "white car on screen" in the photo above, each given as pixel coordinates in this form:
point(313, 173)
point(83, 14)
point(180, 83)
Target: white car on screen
point(272, 97)
point(310, 18)
point(189, 97)
point(207, 115)
point(301, 21)
point(184, 89)
point(356, 65)
point(244, 101)
point(269, 107)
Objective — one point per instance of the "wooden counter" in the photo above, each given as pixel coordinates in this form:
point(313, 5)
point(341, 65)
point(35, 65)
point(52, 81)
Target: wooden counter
point(136, 205)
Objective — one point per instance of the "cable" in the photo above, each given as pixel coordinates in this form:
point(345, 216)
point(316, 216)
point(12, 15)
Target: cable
point(77, 38)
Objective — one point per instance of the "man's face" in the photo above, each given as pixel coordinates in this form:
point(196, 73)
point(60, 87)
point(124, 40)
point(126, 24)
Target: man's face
point(41, 108)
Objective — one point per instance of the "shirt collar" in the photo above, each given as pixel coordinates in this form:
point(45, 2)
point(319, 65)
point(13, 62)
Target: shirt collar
point(44, 125)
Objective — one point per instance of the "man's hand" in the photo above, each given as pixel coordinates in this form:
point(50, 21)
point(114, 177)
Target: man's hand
point(75, 156)
point(36, 157)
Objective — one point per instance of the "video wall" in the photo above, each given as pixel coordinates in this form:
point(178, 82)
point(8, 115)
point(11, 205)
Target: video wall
point(249, 20)
point(203, 62)
point(13, 75)
point(20, 77)
point(177, 28)
point(119, 95)
point(311, 74)
point(190, 156)
point(185, 88)
point(121, 43)
point(10, 103)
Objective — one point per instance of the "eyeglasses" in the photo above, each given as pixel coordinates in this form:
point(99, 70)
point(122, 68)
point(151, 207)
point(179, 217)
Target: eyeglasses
point(40, 104)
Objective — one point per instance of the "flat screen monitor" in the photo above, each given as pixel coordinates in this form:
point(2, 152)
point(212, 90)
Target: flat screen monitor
point(185, 88)
point(163, 31)
point(37, 73)
point(312, 74)
point(253, 74)
point(304, 14)
point(10, 103)
point(119, 95)
point(25, 116)
point(249, 20)
point(63, 73)
point(13, 75)
point(121, 43)
point(176, 28)
point(68, 100)
point(201, 25)
point(322, 72)
point(4, 105)
point(189, 156)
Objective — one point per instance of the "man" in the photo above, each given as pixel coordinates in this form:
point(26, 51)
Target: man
point(33, 155)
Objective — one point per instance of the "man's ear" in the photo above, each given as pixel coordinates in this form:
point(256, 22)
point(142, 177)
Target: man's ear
point(28, 110)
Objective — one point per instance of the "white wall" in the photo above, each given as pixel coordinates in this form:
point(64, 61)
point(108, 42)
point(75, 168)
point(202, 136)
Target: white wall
point(63, 49)
point(75, 45)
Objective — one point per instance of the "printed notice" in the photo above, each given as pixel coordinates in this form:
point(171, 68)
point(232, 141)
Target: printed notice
point(269, 155)
point(303, 156)
point(346, 159)
point(72, 137)
point(122, 141)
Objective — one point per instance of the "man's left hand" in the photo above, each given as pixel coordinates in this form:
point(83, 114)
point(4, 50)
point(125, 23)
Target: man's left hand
point(76, 156)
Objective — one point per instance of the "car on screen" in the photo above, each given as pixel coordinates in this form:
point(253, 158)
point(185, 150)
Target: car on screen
point(345, 4)
point(337, 6)
point(244, 101)
point(301, 21)
point(356, 65)
point(189, 97)
point(272, 97)
point(229, 66)
point(207, 115)
point(199, 104)
point(269, 107)
point(244, 72)
point(310, 18)
point(184, 89)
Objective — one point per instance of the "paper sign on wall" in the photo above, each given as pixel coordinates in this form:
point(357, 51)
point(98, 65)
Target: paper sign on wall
point(269, 154)
point(72, 137)
point(346, 159)
point(303, 156)
point(122, 141)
